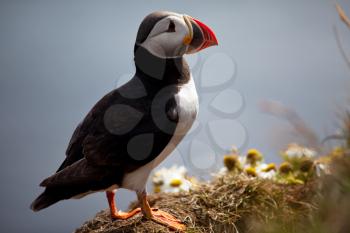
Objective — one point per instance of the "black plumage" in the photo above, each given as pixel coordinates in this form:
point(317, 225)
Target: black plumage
point(135, 127)
point(97, 157)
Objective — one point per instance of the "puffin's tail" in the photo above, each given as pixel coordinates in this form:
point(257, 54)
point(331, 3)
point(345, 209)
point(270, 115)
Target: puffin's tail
point(74, 181)
point(44, 200)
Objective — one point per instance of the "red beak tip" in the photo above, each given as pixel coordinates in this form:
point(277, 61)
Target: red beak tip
point(208, 33)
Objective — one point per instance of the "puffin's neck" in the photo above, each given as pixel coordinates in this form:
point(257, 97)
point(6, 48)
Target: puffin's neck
point(160, 71)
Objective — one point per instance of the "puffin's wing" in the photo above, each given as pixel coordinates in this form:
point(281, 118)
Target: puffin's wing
point(91, 131)
point(74, 150)
point(79, 173)
point(123, 114)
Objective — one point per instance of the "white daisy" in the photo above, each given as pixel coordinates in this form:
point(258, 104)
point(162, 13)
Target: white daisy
point(266, 171)
point(294, 150)
point(171, 180)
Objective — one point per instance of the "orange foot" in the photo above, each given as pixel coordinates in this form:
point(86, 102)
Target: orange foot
point(166, 219)
point(124, 215)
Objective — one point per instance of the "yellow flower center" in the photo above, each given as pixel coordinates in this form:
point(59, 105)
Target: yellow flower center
point(158, 182)
point(306, 165)
point(269, 167)
point(285, 167)
point(157, 189)
point(175, 182)
point(231, 161)
point(254, 156)
point(251, 171)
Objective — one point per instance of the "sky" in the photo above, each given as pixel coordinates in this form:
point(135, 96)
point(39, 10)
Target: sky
point(58, 58)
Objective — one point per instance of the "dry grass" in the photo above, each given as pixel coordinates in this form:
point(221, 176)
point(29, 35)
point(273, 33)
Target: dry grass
point(234, 202)
point(343, 15)
point(228, 203)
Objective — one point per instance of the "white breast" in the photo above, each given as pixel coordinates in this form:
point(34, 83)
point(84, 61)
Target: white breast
point(187, 102)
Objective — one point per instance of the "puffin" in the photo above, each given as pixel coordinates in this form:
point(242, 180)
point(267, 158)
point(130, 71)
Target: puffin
point(133, 128)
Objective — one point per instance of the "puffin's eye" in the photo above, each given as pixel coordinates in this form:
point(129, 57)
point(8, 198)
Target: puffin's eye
point(171, 27)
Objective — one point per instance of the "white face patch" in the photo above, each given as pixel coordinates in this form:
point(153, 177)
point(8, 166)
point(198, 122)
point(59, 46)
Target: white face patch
point(165, 42)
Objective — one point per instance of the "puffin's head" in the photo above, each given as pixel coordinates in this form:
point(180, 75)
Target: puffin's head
point(168, 34)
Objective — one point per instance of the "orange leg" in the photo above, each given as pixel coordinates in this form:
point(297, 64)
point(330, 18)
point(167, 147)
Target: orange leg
point(115, 214)
point(159, 216)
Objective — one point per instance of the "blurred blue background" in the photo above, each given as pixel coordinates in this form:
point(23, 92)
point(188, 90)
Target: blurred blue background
point(57, 58)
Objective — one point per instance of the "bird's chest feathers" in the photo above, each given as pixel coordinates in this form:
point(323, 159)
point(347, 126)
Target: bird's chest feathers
point(187, 107)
